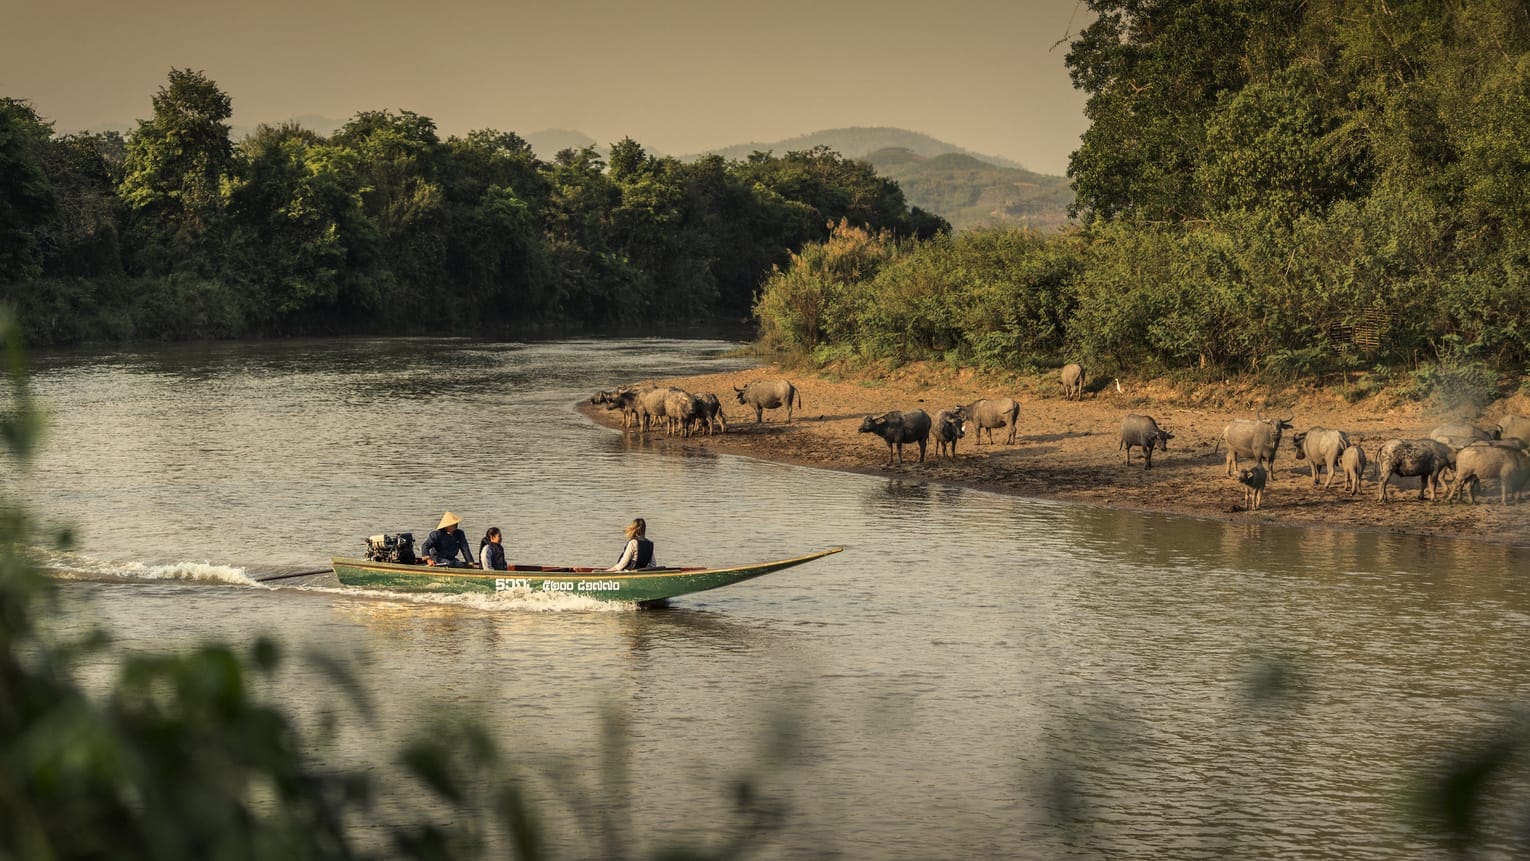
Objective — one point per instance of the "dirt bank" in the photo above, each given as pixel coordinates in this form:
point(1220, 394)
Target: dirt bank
point(1068, 450)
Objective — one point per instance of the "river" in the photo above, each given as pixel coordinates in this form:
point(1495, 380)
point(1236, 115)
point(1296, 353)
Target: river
point(975, 676)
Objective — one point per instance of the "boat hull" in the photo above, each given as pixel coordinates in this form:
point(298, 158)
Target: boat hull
point(646, 586)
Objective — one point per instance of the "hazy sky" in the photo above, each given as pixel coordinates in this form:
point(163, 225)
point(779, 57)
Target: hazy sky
point(677, 75)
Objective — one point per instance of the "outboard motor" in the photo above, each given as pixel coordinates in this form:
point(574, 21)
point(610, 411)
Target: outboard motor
point(397, 548)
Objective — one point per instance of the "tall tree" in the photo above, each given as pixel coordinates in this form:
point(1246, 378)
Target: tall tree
point(176, 160)
point(1155, 71)
point(26, 194)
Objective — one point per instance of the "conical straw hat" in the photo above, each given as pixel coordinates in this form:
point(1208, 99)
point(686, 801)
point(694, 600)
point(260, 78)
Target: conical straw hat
point(448, 519)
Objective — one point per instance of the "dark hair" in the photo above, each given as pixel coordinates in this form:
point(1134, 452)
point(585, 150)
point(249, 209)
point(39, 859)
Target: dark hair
point(493, 532)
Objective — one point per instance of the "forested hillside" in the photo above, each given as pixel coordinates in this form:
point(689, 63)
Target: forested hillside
point(856, 142)
point(1290, 187)
point(178, 231)
point(970, 192)
point(967, 189)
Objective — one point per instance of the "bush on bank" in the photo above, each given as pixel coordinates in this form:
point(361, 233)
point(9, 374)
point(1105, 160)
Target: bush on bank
point(1361, 288)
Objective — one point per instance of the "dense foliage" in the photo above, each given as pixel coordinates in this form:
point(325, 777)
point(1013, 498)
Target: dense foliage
point(178, 231)
point(1292, 187)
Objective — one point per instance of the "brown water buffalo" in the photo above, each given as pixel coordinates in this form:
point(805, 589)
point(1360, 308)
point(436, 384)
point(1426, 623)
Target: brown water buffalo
point(768, 395)
point(1426, 458)
point(897, 428)
point(1320, 446)
point(1253, 480)
point(679, 412)
point(1073, 382)
point(1143, 432)
point(1458, 434)
point(1510, 466)
point(651, 406)
point(1352, 461)
point(1255, 438)
point(1515, 427)
point(948, 429)
point(990, 413)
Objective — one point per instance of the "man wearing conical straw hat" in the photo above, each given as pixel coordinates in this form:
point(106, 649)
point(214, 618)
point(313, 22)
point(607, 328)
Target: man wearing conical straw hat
point(445, 542)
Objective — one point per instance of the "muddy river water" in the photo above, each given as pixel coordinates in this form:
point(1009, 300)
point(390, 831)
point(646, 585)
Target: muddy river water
point(975, 676)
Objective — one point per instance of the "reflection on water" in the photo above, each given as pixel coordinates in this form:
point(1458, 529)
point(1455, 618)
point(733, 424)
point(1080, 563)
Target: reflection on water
point(976, 676)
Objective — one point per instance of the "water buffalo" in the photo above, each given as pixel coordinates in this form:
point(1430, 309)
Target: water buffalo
point(1253, 480)
point(651, 406)
point(990, 413)
point(679, 412)
point(1352, 461)
point(1073, 382)
point(1255, 438)
point(897, 428)
point(708, 412)
point(948, 429)
point(1475, 462)
point(623, 399)
point(1143, 432)
point(1458, 434)
point(768, 395)
point(1515, 427)
point(1321, 446)
point(1426, 458)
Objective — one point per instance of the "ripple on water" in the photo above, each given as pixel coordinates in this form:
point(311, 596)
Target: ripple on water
point(966, 655)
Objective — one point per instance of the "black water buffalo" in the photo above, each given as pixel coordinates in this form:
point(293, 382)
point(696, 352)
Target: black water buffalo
point(1255, 438)
point(623, 399)
point(948, 429)
point(1475, 462)
point(1253, 480)
point(769, 395)
point(1073, 382)
point(1144, 433)
point(708, 412)
point(897, 428)
point(1426, 458)
point(1320, 446)
point(990, 413)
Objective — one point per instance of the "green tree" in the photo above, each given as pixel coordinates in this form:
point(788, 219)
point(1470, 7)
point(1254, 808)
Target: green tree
point(397, 161)
point(176, 161)
point(1155, 72)
point(83, 239)
point(310, 252)
point(496, 196)
point(26, 194)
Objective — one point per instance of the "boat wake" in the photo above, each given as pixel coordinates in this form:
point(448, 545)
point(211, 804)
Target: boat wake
point(523, 601)
point(75, 566)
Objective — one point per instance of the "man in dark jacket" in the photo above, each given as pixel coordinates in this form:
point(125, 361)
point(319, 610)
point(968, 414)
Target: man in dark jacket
point(445, 542)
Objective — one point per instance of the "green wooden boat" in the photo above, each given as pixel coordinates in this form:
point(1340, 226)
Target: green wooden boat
point(646, 586)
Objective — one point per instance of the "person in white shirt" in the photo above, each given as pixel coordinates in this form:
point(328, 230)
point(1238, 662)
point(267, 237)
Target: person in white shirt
point(639, 550)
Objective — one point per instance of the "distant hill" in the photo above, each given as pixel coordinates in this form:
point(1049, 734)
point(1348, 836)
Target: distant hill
point(970, 192)
point(855, 142)
point(968, 189)
point(547, 142)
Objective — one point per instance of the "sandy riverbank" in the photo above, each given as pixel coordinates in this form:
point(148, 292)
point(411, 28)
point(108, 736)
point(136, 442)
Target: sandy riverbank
point(1068, 450)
